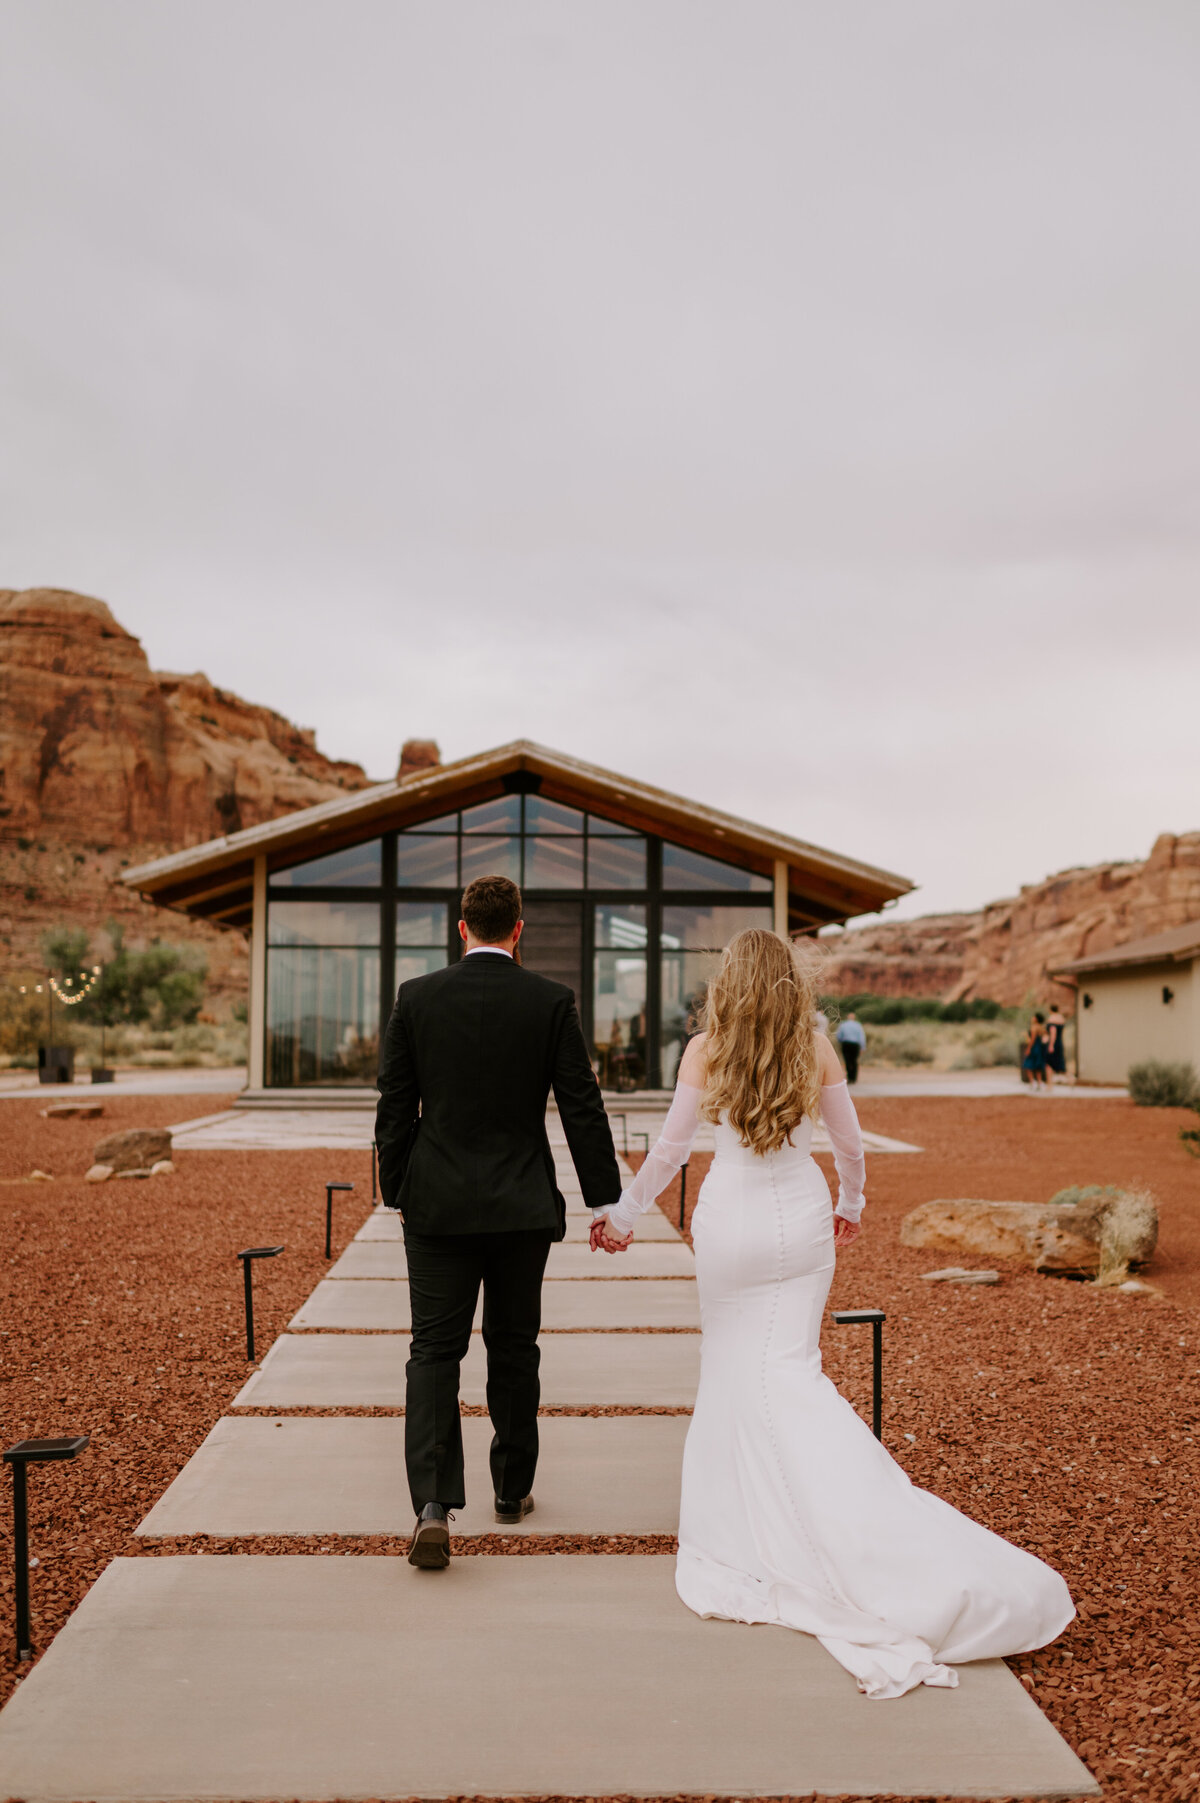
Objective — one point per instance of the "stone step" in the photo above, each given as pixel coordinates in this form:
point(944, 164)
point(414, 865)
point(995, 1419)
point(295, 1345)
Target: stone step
point(373, 1304)
point(611, 1474)
point(323, 1677)
point(568, 1259)
point(578, 1370)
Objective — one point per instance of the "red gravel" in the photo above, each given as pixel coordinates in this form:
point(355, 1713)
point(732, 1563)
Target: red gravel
point(1060, 1415)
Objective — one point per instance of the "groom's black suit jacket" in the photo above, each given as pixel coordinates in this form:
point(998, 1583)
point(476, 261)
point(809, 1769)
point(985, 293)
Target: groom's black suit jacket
point(469, 1059)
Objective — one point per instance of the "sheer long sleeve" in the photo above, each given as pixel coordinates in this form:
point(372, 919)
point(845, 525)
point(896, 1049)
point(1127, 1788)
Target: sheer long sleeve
point(666, 1156)
point(841, 1123)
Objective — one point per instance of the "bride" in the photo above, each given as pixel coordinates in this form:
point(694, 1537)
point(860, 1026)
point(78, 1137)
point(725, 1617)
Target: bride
point(791, 1511)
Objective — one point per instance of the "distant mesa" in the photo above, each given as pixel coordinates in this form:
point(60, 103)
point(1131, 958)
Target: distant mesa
point(1005, 950)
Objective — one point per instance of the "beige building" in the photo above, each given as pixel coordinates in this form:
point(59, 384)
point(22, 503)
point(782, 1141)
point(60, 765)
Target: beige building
point(1137, 1001)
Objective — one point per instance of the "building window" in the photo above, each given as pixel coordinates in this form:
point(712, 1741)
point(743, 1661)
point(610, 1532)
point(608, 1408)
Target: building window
point(356, 867)
point(322, 992)
point(420, 938)
point(683, 869)
point(619, 991)
point(693, 939)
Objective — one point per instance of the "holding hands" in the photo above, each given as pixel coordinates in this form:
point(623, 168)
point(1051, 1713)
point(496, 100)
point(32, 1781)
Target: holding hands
point(603, 1238)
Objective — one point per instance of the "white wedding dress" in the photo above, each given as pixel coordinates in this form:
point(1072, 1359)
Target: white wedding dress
point(791, 1511)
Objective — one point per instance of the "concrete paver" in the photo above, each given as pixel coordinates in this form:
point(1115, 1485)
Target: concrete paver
point(614, 1474)
point(568, 1259)
point(382, 1304)
point(578, 1370)
point(323, 1678)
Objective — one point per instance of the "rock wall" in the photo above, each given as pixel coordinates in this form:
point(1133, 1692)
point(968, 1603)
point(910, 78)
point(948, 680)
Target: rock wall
point(105, 763)
point(97, 748)
point(1006, 950)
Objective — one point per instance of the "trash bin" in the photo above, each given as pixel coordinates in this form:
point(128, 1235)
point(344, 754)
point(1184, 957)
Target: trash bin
point(56, 1064)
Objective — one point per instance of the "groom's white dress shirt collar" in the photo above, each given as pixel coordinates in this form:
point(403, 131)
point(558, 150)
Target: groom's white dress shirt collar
point(497, 951)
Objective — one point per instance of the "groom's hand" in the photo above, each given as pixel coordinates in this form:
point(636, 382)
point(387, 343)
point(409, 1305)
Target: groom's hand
point(601, 1237)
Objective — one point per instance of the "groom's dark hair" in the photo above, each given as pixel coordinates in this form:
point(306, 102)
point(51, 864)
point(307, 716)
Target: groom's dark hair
point(491, 907)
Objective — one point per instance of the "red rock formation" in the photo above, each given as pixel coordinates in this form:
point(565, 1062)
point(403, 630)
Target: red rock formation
point(417, 756)
point(104, 763)
point(1007, 949)
point(98, 749)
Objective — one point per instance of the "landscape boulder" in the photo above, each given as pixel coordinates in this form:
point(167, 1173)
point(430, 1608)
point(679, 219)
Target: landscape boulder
point(136, 1149)
point(1093, 1232)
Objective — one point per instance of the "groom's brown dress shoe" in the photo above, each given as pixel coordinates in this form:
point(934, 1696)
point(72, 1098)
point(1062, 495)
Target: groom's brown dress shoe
point(510, 1512)
point(430, 1549)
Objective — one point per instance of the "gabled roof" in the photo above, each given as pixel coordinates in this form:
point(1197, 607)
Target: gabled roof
point(1175, 946)
point(215, 880)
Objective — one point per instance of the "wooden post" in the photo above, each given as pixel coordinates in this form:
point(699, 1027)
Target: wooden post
point(781, 898)
point(258, 973)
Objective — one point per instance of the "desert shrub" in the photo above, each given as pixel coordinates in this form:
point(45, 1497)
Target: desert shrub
point(985, 1050)
point(898, 1048)
point(1155, 1084)
point(895, 1010)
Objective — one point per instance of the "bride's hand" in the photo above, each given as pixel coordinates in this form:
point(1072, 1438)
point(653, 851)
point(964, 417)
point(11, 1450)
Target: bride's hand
point(845, 1232)
point(602, 1237)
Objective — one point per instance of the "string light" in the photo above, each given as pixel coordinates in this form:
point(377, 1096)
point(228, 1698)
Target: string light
point(89, 979)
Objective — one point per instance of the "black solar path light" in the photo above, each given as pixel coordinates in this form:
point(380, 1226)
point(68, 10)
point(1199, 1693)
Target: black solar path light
point(624, 1120)
point(854, 1317)
point(683, 1170)
point(247, 1257)
point(374, 1174)
point(329, 1189)
point(24, 1453)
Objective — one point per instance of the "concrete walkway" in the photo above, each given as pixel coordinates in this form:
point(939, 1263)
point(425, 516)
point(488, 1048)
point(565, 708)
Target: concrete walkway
point(317, 1677)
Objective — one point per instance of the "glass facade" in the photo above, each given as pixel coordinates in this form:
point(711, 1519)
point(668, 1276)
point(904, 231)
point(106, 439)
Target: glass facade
point(633, 923)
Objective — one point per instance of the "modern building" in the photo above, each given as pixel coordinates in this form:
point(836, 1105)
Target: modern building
point(1137, 1001)
point(630, 895)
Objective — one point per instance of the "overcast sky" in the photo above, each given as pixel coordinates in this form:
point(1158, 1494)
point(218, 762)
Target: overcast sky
point(793, 404)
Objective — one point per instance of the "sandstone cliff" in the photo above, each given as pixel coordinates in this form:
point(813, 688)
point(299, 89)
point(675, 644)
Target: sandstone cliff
point(105, 762)
point(97, 748)
point(1006, 950)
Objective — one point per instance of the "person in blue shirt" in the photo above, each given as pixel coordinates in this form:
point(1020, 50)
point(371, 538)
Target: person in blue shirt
point(851, 1039)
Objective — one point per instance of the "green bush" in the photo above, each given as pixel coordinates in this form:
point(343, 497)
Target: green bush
point(895, 1010)
point(1155, 1084)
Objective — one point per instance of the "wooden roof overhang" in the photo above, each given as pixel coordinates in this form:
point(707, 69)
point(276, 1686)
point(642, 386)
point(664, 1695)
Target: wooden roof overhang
point(214, 881)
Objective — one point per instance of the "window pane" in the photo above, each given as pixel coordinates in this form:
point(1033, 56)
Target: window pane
point(554, 863)
point(358, 866)
point(709, 929)
point(621, 928)
point(619, 1016)
point(617, 863)
point(689, 870)
point(426, 863)
point(322, 923)
point(502, 816)
point(692, 942)
point(421, 923)
point(418, 963)
point(322, 1016)
point(445, 823)
point(551, 816)
point(685, 980)
point(598, 824)
point(491, 857)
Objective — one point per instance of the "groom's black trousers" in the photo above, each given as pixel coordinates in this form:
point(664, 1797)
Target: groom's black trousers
point(445, 1271)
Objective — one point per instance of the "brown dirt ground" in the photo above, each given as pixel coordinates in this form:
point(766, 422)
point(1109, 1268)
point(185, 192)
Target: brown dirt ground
point(1062, 1416)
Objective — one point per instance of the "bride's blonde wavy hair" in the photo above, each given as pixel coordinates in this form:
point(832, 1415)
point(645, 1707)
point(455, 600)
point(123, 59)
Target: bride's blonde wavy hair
point(763, 1069)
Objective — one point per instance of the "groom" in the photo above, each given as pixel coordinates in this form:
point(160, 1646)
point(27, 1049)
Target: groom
point(469, 1059)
